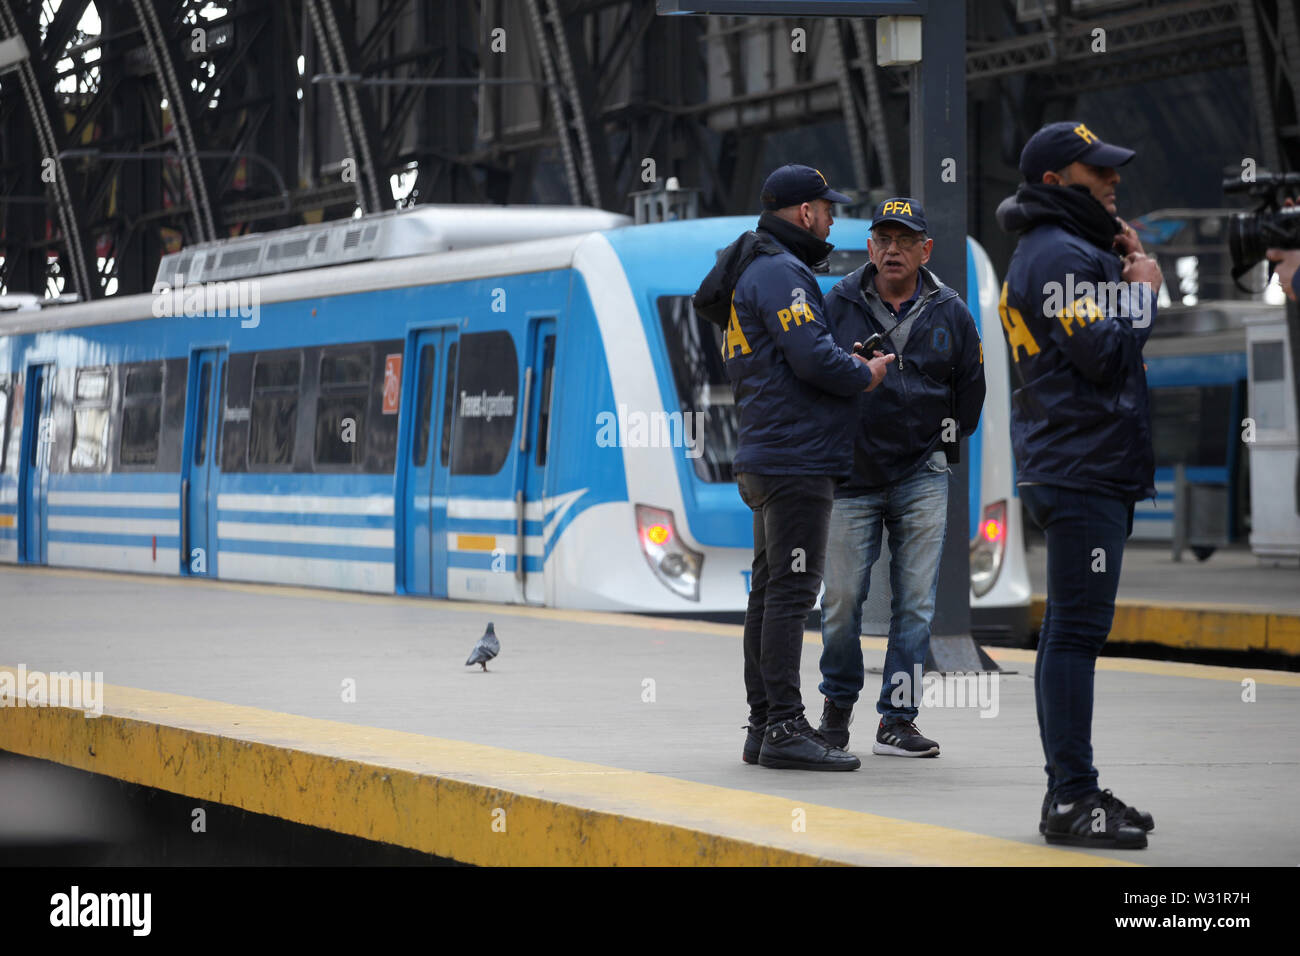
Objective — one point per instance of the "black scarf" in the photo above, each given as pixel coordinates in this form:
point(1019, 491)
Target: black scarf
point(811, 251)
point(1074, 207)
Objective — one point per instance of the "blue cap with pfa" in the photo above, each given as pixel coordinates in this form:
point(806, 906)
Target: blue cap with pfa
point(1057, 145)
point(901, 209)
point(794, 184)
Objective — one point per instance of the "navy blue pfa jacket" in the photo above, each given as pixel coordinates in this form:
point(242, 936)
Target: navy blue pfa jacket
point(901, 422)
point(1081, 418)
point(794, 387)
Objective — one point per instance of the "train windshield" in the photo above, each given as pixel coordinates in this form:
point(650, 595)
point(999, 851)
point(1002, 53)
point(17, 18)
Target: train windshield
point(703, 390)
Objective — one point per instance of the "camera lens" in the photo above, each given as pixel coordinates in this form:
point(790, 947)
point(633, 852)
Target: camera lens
point(1245, 243)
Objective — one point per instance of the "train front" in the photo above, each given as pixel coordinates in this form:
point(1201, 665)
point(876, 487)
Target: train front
point(694, 533)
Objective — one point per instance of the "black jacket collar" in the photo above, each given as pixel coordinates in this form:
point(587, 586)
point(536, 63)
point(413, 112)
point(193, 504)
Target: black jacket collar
point(806, 247)
point(1071, 207)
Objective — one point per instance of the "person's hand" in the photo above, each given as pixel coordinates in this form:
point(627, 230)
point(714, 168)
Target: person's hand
point(1127, 241)
point(879, 364)
point(1139, 267)
point(1287, 260)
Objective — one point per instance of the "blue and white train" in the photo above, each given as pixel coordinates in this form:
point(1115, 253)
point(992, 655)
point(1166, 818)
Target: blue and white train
point(410, 403)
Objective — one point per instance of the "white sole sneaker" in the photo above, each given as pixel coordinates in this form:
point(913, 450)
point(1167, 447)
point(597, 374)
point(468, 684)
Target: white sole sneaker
point(889, 750)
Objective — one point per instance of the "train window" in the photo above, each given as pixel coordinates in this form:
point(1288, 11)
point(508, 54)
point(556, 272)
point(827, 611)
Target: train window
point(487, 383)
point(201, 419)
point(341, 369)
point(92, 384)
point(844, 261)
point(544, 408)
point(90, 421)
point(141, 415)
point(1268, 397)
point(1191, 425)
point(273, 417)
point(707, 412)
point(448, 402)
point(341, 406)
point(424, 405)
point(221, 417)
point(4, 425)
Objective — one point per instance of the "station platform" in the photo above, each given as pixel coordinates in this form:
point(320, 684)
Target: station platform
point(606, 739)
point(1233, 601)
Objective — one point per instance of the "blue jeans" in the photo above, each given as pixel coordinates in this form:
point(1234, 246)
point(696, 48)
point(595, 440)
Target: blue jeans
point(1085, 552)
point(915, 510)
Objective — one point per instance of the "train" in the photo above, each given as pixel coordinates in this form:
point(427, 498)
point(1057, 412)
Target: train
point(508, 404)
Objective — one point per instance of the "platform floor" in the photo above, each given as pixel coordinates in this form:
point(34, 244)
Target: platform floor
point(560, 725)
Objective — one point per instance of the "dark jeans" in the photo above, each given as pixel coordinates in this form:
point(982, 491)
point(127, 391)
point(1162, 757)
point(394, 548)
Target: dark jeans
point(792, 515)
point(1085, 551)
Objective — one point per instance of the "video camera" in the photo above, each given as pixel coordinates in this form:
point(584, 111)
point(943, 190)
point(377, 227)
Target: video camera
point(1270, 226)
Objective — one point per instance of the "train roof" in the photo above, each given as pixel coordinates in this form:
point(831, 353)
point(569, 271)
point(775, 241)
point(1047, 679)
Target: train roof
point(474, 259)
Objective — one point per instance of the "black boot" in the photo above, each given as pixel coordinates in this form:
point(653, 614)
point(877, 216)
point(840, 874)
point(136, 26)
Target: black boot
point(835, 724)
point(1092, 821)
point(1130, 815)
point(753, 739)
point(794, 745)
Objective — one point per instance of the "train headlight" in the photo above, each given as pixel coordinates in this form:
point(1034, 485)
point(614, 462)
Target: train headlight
point(676, 566)
point(988, 548)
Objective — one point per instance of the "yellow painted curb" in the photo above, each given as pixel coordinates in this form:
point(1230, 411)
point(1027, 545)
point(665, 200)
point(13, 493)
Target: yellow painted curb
point(1197, 626)
point(472, 803)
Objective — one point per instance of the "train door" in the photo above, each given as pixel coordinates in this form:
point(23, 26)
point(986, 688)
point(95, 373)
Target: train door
point(426, 456)
point(199, 464)
point(34, 475)
point(534, 438)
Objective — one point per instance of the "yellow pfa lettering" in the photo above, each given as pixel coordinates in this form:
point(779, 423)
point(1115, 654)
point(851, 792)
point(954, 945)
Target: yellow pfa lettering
point(798, 313)
point(1080, 312)
point(1084, 134)
point(735, 336)
point(1013, 323)
point(897, 207)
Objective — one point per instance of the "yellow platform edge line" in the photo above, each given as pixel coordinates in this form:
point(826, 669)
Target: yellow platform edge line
point(1197, 627)
point(444, 797)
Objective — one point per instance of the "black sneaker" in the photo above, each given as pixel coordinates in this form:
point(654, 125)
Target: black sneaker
point(753, 741)
point(835, 724)
point(794, 745)
point(900, 738)
point(1092, 821)
point(1113, 804)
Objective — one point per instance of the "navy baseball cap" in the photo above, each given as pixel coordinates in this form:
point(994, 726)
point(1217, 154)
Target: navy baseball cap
point(900, 209)
point(1057, 145)
point(793, 184)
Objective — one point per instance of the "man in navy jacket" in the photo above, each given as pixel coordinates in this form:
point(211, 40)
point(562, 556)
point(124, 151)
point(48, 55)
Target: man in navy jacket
point(794, 390)
point(1076, 308)
point(931, 398)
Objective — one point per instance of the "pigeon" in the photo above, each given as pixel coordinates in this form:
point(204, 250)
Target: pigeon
point(486, 648)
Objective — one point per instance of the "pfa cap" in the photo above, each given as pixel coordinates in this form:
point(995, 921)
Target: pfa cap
point(901, 209)
point(794, 184)
point(1057, 145)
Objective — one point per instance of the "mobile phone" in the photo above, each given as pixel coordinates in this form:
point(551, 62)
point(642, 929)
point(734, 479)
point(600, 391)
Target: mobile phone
point(870, 345)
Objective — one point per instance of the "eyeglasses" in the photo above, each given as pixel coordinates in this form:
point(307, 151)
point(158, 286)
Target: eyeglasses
point(903, 242)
